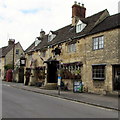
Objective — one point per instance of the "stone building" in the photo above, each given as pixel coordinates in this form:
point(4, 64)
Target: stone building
point(6, 55)
point(87, 50)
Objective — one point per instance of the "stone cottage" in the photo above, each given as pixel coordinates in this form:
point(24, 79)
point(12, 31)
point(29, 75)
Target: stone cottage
point(7, 57)
point(87, 50)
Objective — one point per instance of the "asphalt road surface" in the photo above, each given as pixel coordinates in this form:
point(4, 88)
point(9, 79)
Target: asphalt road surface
point(17, 103)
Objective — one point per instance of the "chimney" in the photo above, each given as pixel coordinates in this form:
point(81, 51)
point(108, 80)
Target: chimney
point(42, 33)
point(11, 42)
point(78, 12)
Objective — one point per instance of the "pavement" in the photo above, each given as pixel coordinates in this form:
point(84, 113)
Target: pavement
point(108, 102)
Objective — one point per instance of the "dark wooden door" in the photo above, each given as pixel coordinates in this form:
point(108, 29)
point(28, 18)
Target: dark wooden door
point(21, 75)
point(116, 77)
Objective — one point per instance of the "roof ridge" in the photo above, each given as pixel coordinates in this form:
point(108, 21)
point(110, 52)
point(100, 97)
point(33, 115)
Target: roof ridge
point(114, 15)
point(3, 47)
point(62, 28)
point(97, 13)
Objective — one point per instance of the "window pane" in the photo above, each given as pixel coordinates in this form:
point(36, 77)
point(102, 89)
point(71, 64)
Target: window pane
point(49, 38)
point(98, 42)
point(71, 48)
point(95, 43)
point(100, 46)
point(68, 48)
point(101, 42)
point(17, 51)
point(98, 72)
point(78, 28)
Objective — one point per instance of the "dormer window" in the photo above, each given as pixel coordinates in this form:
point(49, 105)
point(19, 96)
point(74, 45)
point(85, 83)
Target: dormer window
point(37, 41)
point(80, 26)
point(51, 36)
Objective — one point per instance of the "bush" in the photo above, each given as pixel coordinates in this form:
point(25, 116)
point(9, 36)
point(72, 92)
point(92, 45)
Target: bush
point(8, 66)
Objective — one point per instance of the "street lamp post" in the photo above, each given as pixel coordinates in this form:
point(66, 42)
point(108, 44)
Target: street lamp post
point(59, 79)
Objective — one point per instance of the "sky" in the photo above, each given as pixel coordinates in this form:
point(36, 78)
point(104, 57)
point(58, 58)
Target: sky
point(23, 20)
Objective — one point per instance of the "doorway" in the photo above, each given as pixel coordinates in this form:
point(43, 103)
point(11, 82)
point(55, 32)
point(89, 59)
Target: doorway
point(27, 75)
point(116, 77)
point(52, 71)
point(21, 75)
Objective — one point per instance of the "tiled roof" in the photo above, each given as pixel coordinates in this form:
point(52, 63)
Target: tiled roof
point(31, 47)
point(110, 22)
point(69, 32)
point(5, 50)
point(43, 44)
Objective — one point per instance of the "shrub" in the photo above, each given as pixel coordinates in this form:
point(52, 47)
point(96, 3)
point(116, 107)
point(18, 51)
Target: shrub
point(8, 66)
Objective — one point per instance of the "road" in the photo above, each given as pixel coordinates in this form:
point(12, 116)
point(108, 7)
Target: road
point(17, 103)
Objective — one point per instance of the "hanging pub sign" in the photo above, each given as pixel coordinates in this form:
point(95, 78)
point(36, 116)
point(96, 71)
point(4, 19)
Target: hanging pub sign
point(22, 61)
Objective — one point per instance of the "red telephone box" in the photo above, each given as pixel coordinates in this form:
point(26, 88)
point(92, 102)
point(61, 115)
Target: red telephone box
point(9, 76)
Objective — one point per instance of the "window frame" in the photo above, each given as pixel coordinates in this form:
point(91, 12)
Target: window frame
point(51, 36)
point(98, 40)
point(80, 26)
point(43, 53)
point(71, 48)
point(37, 41)
point(98, 72)
point(17, 51)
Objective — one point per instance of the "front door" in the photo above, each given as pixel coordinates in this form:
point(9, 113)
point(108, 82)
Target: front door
point(116, 77)
point(21, 75)
point(52, 72)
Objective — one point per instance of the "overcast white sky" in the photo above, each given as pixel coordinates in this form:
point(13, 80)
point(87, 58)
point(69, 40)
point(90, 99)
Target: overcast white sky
point(22, 20)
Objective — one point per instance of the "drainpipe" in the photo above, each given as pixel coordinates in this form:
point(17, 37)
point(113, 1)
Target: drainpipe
point(13, 60)
point(13, 55)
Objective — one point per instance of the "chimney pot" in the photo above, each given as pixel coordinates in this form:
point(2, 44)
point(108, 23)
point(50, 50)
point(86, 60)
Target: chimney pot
point(82, 5)
point(79, 4)
point(11, 42)
point(78, 12)
point(42, 33)
point(75, 2)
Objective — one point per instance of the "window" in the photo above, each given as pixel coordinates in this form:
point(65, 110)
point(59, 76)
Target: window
point(72, 48)
point(43, 53)
point(51, 36)
point(37, 41)
point(71, 70)
point(17, 51)
point(98, 43)
point(80, 26)
point(98, 72)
